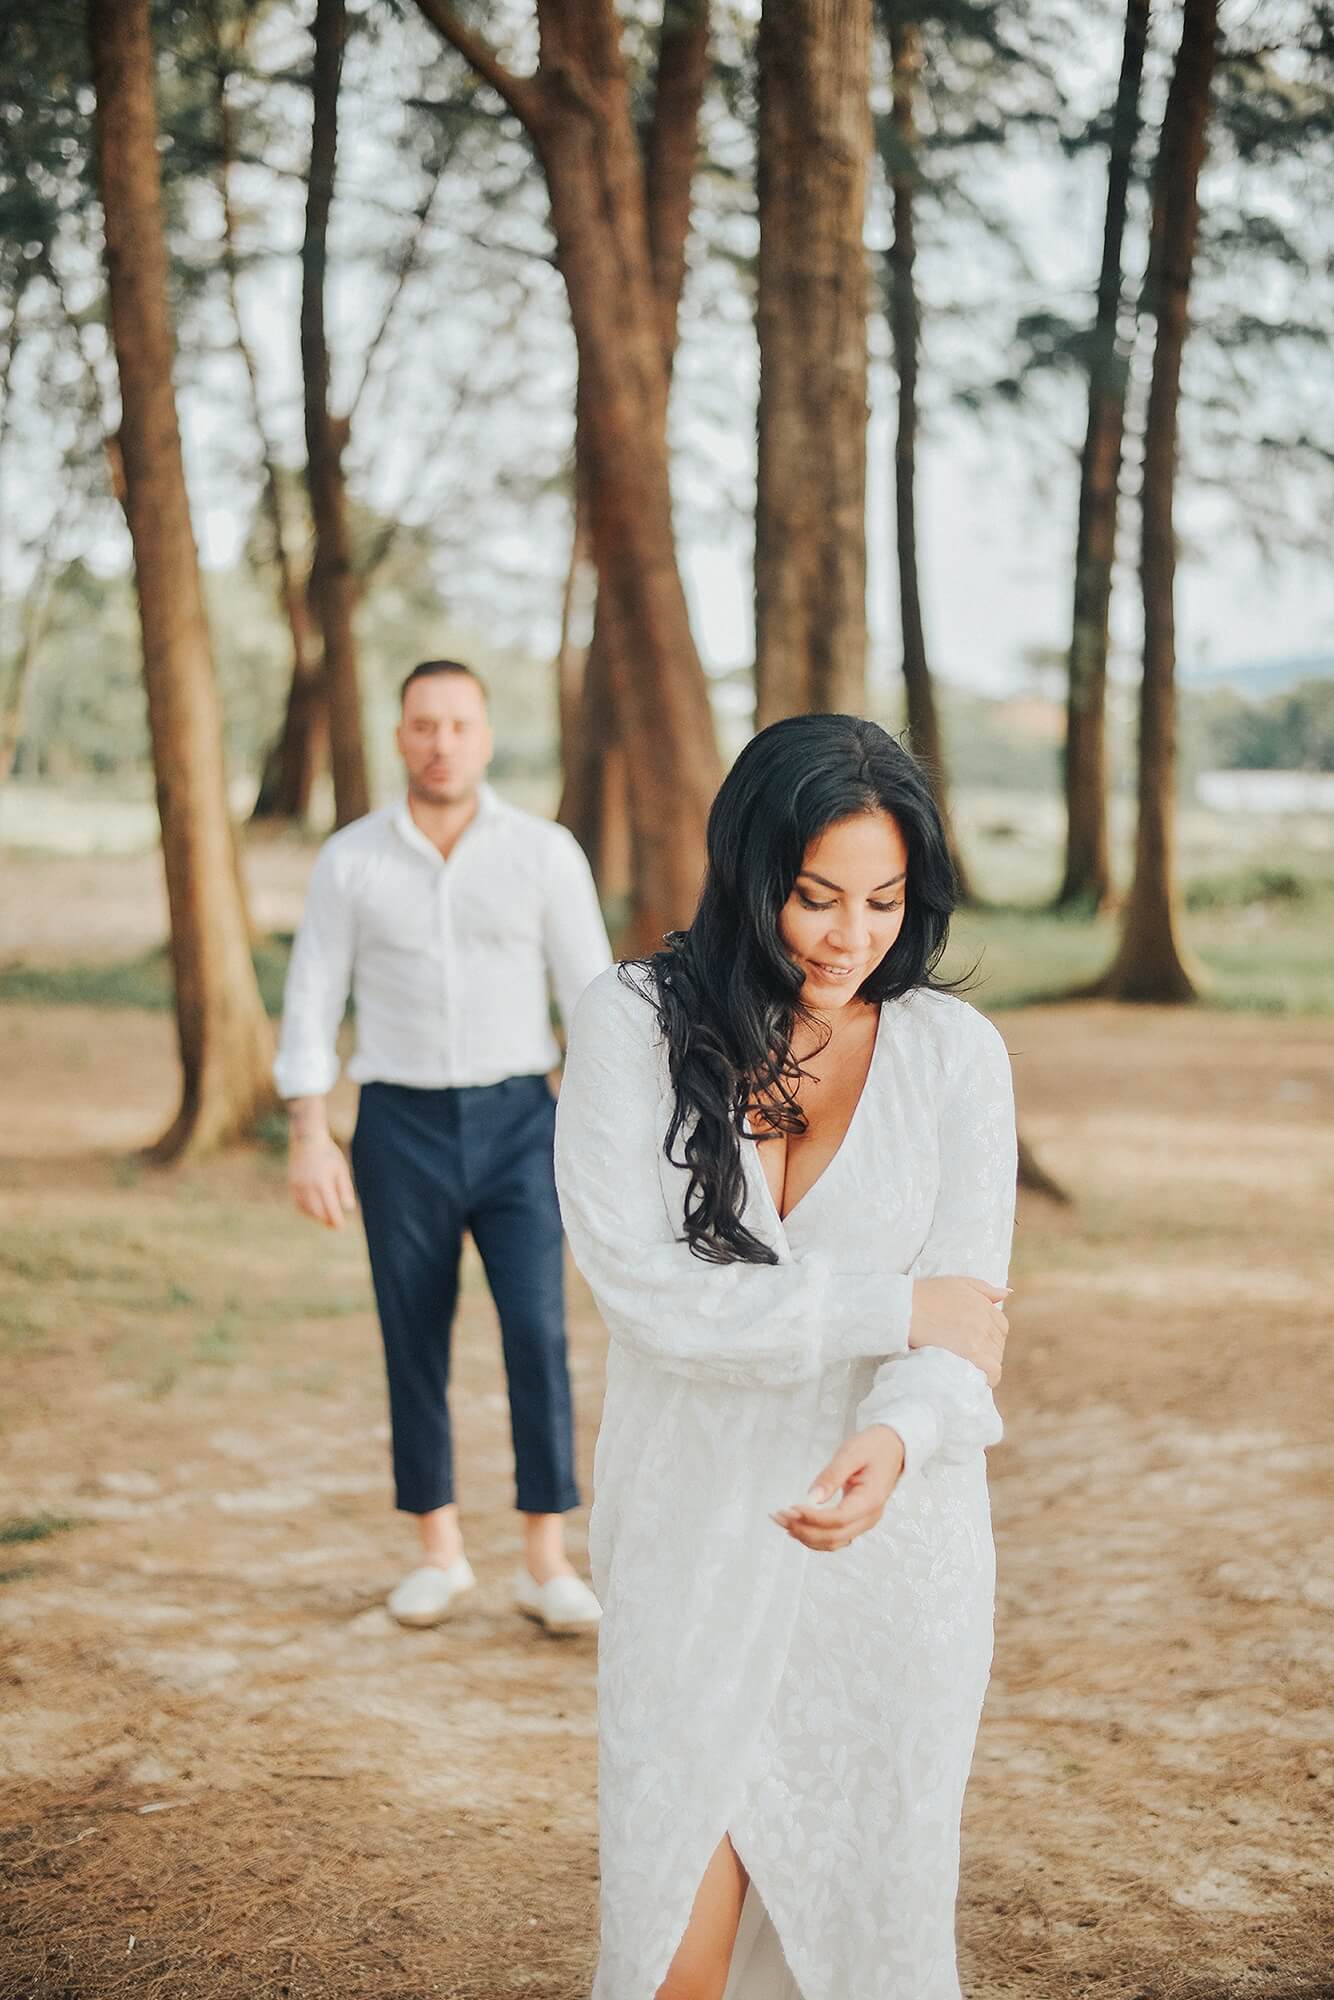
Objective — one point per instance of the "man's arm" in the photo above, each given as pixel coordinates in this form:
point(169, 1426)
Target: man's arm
point(318, 981)
point(574, 937)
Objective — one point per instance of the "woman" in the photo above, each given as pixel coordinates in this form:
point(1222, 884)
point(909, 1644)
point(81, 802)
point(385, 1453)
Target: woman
point(786, 1164)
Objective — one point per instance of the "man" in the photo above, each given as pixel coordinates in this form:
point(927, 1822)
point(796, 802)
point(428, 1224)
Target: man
point(444, 914)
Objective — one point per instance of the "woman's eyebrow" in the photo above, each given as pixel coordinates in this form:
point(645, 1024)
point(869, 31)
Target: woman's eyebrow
point(809, 875)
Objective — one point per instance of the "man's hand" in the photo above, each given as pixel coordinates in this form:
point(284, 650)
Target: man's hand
point(319, 1178)
point(867, 1469)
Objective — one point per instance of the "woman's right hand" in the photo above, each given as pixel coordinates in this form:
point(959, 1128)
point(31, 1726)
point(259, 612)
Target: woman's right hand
point(963, 1315)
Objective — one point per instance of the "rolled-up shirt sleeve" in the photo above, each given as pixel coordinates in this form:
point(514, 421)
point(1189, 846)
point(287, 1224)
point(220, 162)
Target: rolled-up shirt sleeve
point(574, 937)
point(319, 979)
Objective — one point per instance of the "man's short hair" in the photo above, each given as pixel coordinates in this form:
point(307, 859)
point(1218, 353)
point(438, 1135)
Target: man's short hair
point(426, 668)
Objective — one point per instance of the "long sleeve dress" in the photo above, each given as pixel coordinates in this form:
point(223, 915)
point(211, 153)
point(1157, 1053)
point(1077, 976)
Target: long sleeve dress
point(819, 1708)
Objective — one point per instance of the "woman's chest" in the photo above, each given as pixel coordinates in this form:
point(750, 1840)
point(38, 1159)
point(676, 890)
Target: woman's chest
point(829, 1098)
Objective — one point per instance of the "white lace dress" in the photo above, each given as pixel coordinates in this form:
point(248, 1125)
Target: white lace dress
point(819, 1708)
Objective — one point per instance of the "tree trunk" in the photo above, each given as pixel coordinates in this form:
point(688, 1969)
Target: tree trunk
point(810, 502)
point(596, 802)
point(576, 109)
point(670, 150)
point(1087, 882)
point(923, 718)
point(333, 587)
point(1149, 964)
point(296, 757)
point(300, 750)
point(224, 1037)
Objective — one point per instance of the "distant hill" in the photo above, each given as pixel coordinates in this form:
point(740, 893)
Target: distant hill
point(1261, 677)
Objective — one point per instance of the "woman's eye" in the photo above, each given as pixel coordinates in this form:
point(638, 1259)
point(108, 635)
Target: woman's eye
point(807, 904)
point(883, 909)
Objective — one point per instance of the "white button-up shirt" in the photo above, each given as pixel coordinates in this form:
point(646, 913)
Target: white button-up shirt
point(448, 961)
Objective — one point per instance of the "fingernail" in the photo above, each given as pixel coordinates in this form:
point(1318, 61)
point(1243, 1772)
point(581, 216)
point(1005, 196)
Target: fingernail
point(817, 1496)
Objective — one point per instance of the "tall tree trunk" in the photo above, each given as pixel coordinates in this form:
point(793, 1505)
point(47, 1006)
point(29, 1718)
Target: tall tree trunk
point(300, 750)
point(810, 501)
point(576, 109)
point(923, 717)
point(1087, 881)
point(670, 151)
point(1149, 964)
point(224, 1037)
point(32, 625)
point(296, 757)
point(333, 586)
point(596, 803)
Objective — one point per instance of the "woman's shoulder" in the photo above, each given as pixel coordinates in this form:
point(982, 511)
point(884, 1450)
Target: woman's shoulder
point(955, 1032)
point(619, 1004)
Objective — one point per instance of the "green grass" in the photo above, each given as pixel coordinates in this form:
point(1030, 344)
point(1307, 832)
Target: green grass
point(33, 1528)
point(1267, 954)
point(144, 982)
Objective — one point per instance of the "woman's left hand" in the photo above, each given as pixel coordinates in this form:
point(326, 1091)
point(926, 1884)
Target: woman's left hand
point(867, 1468)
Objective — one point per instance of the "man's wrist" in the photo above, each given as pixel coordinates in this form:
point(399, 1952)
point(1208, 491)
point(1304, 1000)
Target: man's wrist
point(307, 1120)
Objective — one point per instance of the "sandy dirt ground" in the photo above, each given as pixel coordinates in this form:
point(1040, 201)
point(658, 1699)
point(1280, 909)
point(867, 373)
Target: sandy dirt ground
point(224, 1771)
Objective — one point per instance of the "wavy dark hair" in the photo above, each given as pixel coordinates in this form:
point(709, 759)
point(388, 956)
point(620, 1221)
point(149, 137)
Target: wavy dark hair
point(727, 992)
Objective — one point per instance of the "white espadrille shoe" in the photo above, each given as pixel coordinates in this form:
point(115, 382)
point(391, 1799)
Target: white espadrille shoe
point(565, 1604)
point(427, 1595)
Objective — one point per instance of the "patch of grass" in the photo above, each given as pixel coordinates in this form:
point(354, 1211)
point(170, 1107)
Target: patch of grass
point(33, 1528)
point(20, 1332)
point(19, 1574)
point(219, 1345)
point(144, 982)
point(1264, 953)
point(1241, 888)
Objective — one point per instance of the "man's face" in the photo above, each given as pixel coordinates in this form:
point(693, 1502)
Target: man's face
point(444, 738)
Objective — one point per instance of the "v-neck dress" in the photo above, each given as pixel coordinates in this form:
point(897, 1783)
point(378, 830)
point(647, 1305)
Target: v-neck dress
point(818, 1708)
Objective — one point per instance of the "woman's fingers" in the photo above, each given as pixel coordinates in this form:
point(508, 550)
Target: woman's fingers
point(825, 1540)
point(993, 1292)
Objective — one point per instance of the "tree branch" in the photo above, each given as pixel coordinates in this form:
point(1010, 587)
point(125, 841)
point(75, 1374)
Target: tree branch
point(521, 93)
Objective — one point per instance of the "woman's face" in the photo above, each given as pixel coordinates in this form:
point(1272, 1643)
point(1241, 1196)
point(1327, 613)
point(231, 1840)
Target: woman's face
point(846, 906)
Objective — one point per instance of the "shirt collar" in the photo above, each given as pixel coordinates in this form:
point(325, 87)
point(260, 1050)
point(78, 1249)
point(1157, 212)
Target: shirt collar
point(489, 804)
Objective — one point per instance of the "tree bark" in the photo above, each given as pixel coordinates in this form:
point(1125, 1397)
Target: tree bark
point(670, 151)
point(814, 140)
point(297, 755)
point(1087, 882)
point(333, 586)
point(923, 716)
point(596, 801)
point(576, 109)
point(1149, 964)
point(224, 1037)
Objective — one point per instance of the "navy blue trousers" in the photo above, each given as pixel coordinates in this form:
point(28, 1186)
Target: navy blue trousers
point(428, 1165)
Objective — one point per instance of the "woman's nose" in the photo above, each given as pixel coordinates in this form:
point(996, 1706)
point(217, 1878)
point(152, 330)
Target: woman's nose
point(851, 933)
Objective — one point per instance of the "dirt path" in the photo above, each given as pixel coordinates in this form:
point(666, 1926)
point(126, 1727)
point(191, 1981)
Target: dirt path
point(225, 1772)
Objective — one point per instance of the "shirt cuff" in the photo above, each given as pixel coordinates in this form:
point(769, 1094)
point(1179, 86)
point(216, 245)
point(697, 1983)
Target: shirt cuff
point(916, 1423)
point(294, 1078)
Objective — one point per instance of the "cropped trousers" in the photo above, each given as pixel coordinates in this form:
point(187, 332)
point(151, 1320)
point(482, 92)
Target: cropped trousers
point(428, 1166)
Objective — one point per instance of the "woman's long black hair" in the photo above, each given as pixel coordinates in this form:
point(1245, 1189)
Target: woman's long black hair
point(726, 991)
